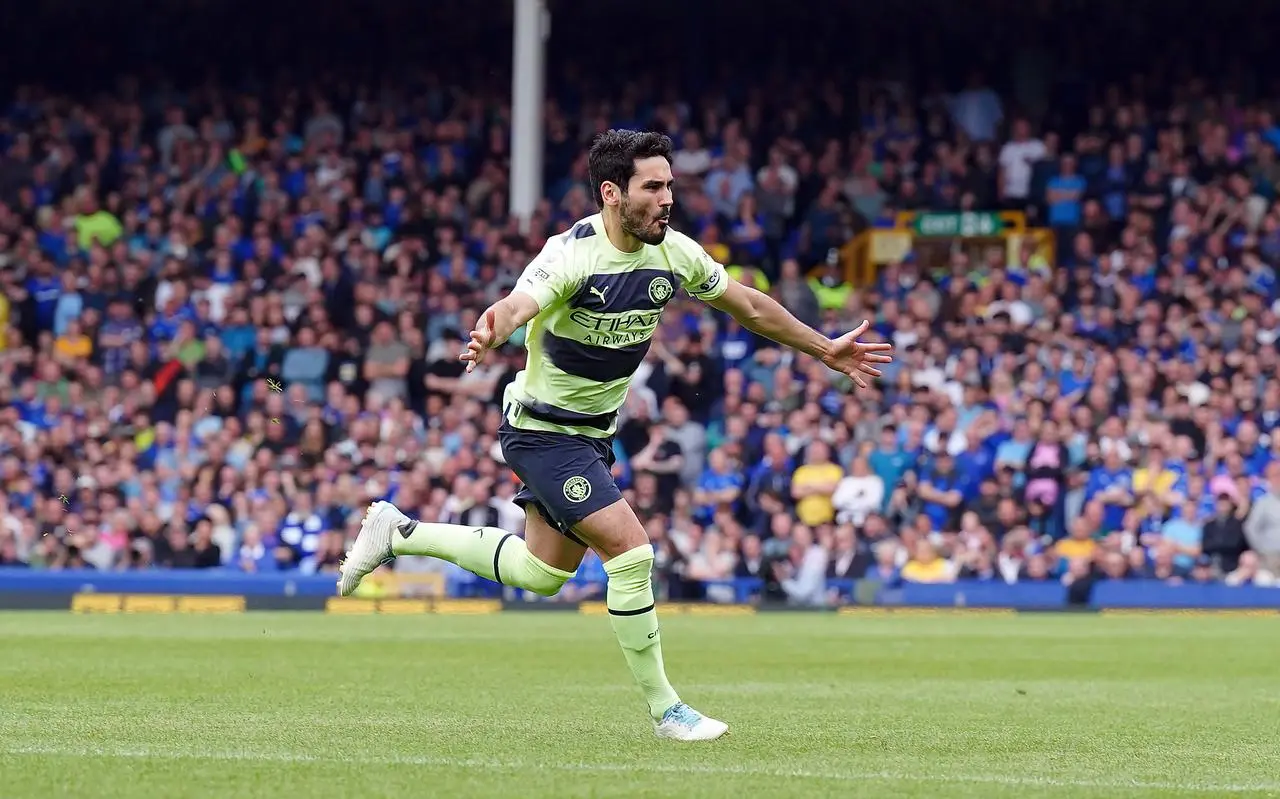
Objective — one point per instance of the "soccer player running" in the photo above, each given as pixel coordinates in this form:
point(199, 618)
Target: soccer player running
point(593, 298)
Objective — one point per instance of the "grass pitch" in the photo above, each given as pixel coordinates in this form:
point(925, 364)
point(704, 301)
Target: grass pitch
point(540, 705)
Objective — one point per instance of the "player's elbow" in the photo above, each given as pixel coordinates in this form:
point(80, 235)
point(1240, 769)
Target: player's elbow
point(742, 302)
point(751, 307)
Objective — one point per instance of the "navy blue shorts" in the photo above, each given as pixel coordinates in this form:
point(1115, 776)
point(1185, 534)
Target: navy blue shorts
point(566, 477)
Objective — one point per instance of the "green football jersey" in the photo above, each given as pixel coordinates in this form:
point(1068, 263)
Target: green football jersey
point(599, 309)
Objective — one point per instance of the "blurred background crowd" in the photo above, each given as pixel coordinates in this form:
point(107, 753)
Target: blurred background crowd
point(233, 299)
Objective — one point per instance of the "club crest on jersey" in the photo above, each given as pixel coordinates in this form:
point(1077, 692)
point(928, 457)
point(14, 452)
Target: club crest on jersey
point(660, 290)
point(577, 489)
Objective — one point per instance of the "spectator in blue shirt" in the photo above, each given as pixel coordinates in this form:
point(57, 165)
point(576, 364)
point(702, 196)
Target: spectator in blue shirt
point(889, 461)
point(1015, 450)
point(736, 344)
point(70, 304)
point(1255, 456)
point(941, 492)
point(976, 464)
point(254, 555)
point(1184, 536)
point(44, 290)
point(719, 487)
point(772, 474)
point(1111, 484)
point(1065, 195)
point(1075, 382)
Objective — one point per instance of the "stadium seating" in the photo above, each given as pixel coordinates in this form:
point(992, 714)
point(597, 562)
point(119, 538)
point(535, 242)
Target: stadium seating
point(230, 320)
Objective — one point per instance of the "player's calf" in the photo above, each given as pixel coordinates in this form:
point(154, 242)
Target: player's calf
point(633, 613)
point(493, 553)
point(490, 552)
point(635, 622)
point(618, 536)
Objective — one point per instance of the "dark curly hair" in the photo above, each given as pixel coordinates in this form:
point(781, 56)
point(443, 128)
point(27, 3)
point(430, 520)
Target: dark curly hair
point(614, 154)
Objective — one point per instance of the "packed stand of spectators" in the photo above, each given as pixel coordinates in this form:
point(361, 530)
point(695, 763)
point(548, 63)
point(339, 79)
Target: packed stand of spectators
point(229, 321)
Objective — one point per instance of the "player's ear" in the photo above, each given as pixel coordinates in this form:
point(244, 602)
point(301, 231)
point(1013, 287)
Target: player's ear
point(610, 192)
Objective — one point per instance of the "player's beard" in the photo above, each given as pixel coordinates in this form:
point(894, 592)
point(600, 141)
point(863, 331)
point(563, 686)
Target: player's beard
point(636, 222)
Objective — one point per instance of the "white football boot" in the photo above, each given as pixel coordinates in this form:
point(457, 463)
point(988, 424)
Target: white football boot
point(683, 723)
point(373, 546)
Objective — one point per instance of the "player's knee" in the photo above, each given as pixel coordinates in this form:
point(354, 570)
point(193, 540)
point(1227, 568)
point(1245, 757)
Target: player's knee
point(632, 569)
point(642, 556)
point(542, 579)
point(548, 586)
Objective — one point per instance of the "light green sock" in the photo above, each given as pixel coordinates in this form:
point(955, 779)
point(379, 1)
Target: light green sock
point(490, 552)
point(635, 622)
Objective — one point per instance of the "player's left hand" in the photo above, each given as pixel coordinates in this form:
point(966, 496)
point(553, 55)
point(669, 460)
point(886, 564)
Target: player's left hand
point(855, 359)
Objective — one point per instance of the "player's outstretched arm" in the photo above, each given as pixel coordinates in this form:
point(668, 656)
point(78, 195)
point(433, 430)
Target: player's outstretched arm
point(496, 325)
point(761, 314)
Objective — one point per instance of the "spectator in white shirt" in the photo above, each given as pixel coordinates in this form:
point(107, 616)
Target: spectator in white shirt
point(858, 495)
point(692, 159)
point(1017, 157)
point(713, 561)
point(804, 576)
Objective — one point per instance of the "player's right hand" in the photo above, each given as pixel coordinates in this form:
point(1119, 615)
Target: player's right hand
point(482, 339)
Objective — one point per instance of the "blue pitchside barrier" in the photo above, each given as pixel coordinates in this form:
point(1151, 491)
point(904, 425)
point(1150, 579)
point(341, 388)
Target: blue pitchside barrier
point(171, 581)
point(1156, 595)
point(1137, 594)
point(1022, 596)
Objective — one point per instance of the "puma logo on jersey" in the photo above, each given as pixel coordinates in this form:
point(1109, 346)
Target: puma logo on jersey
point(599, 292)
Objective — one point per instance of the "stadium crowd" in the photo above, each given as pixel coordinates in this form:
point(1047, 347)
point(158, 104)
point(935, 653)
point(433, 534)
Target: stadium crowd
point(231, 320)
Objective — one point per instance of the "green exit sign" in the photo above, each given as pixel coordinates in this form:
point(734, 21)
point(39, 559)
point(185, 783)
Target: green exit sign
point(959, 225)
